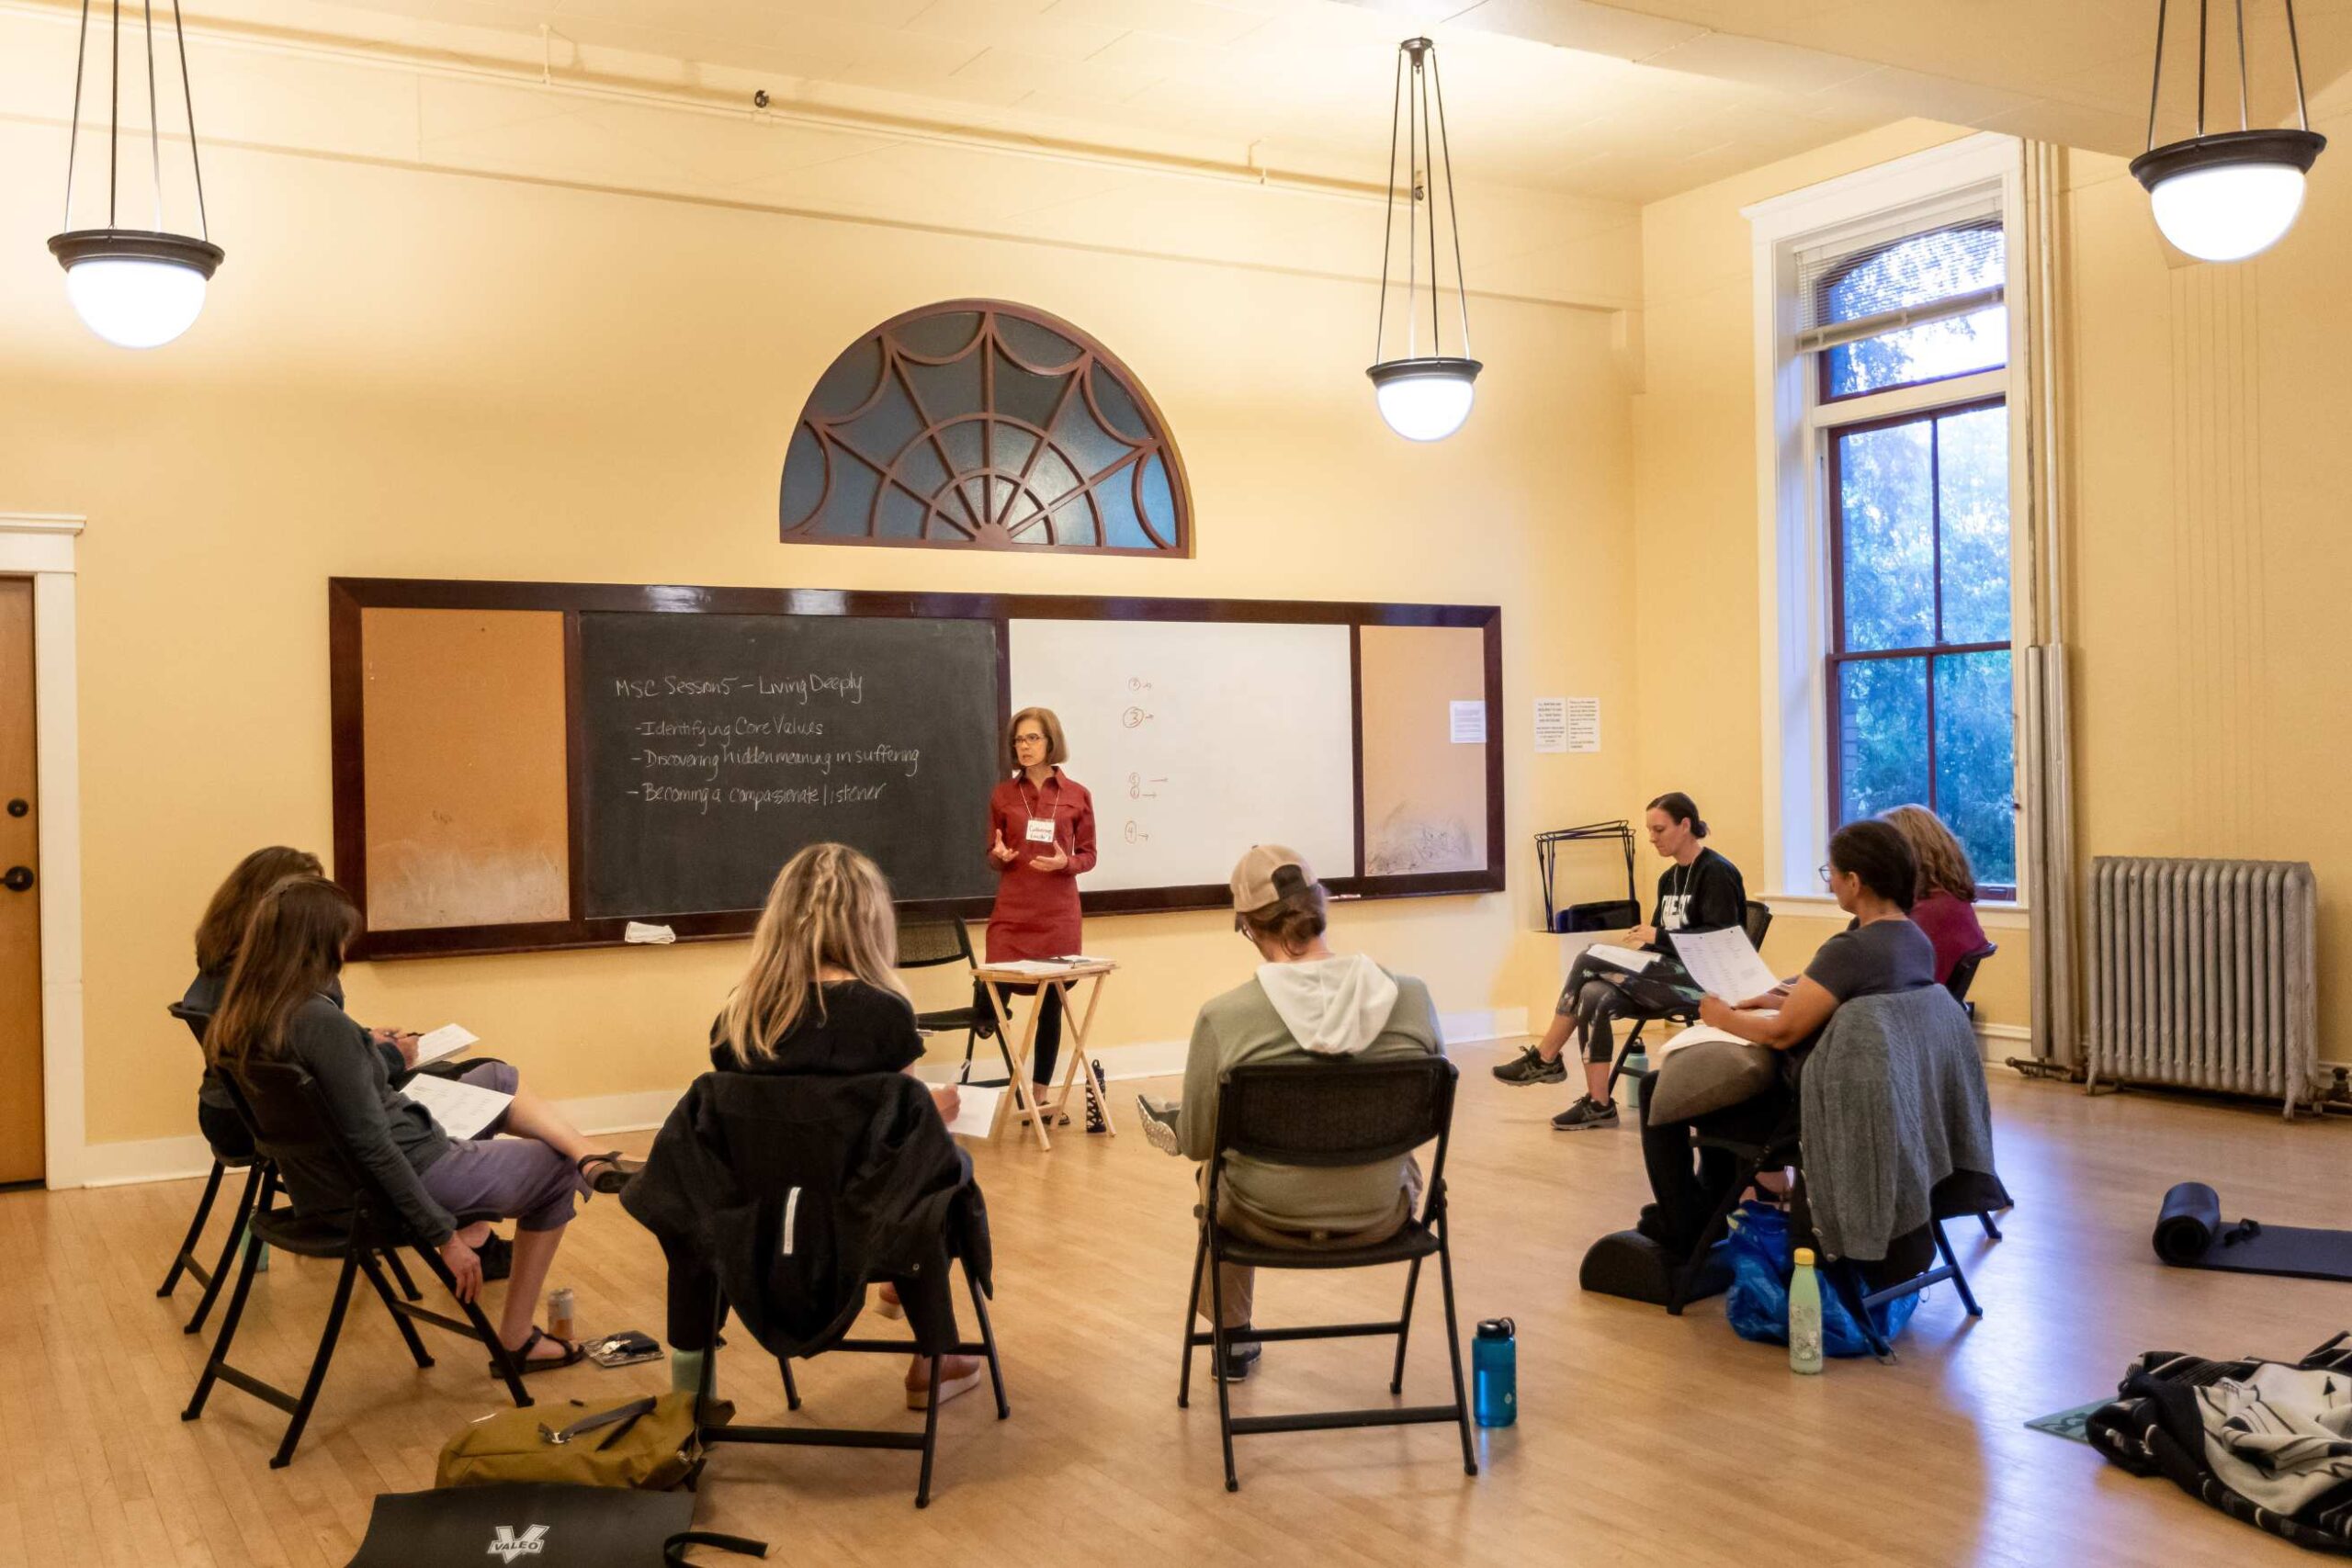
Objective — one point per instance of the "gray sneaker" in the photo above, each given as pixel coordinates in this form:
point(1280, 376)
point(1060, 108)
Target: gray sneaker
point(1530, 1068)
point(1158, 1118)
point(1585, 1116)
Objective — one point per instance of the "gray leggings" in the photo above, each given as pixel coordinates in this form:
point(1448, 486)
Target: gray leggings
point(1593, 1002)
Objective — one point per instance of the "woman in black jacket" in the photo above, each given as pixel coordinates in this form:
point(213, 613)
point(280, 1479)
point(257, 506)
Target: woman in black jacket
point(1700, 891)
point(821, 997)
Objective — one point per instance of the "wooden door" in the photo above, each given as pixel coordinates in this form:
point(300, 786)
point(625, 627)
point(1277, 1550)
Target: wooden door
point(20, 1094)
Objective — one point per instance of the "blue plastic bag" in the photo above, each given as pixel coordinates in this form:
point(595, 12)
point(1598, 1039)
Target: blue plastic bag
point(1758, 1307)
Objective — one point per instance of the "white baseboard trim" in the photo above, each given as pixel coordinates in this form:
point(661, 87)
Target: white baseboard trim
point(178, 1159)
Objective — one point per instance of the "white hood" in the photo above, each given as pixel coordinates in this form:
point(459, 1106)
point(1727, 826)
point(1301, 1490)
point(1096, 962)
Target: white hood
point(1333, 1007)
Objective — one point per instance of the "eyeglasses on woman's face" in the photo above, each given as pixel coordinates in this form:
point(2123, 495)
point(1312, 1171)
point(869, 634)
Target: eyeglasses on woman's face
point(1824, 876)
point(1029, 737)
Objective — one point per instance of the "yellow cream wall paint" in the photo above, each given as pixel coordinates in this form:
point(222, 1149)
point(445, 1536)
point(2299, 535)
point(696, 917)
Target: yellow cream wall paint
point(2209, 547)
point(414, 373)
point(1696, 712)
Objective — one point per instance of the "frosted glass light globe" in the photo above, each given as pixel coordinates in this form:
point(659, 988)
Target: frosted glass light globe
point(1424, 399)
point(134, 302)
point(2228, 195)
point(2227, 212)
point(135, 287)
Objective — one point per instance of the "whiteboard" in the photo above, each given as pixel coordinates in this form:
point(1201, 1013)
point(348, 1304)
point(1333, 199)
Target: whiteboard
point(1198, 740)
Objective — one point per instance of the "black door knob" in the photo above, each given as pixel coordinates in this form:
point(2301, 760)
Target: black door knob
point(18, 807)
point(17, 878)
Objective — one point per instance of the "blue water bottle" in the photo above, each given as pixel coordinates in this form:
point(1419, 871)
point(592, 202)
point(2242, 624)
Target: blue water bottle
point(1493, 1364)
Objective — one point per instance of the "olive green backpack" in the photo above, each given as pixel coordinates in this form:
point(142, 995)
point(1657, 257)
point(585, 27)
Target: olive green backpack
point(651, 1444)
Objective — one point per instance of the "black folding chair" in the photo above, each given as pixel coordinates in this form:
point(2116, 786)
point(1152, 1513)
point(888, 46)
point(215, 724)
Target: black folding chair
point(927, 1443)
point(1648, 1000)
point(1842, 1275)
point(185, 1260)
point(1963, 976)
point(283, 1105)
point(927, 943)
point(1322, 1115)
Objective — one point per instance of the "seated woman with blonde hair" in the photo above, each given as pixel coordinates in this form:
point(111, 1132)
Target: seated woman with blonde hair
point(1944, 905)
point(820, 997)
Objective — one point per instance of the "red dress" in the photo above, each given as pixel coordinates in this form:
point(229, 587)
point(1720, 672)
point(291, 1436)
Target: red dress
point(1036, 915)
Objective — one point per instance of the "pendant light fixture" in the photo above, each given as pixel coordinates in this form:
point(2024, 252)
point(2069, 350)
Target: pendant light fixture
point(135, 287)
point(1423, 396)
point(2231, 194)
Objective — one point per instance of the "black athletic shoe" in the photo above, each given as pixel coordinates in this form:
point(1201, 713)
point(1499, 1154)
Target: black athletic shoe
point(1584, 1115)
point(1239, 1358)
point(1529, 1067)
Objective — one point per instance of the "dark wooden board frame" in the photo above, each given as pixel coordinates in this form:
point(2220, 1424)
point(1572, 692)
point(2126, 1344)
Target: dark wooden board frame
point(348, 596)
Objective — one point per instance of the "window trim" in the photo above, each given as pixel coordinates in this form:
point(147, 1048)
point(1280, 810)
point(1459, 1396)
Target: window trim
point(1792, 428)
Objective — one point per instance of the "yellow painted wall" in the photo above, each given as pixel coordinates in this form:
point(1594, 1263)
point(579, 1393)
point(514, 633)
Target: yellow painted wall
point(2211, 546)
point(407, 373)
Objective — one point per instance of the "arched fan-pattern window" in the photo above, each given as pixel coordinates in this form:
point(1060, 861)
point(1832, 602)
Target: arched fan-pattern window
point(978, 422)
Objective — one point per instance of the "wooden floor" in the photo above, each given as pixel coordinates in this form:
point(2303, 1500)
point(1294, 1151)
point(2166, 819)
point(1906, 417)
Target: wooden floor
point(1643, 1439)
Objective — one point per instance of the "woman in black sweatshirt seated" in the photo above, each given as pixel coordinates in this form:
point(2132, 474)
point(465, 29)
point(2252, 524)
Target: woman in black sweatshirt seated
point(822, 998)
point(1700, 891)
point(1873, 875)
point(278, 1006)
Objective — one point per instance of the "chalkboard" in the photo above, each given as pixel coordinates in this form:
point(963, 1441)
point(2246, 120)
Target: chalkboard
point(528, 766)
point(717, 745)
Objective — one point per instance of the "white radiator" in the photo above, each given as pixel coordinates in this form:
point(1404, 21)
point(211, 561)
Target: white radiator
point(2203, 972)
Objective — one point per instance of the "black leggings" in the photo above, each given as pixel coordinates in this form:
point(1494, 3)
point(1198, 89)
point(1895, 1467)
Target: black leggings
point(1688, 1193)
point(1047, 1049)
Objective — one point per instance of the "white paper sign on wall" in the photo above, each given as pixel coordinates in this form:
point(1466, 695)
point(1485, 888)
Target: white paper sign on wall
point(1469, 723)
point(1551, 724)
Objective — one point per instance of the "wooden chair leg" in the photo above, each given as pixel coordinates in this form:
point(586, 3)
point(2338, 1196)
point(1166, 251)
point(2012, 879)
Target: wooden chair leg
point(182, 1261)
point(1192, 1309)
point(1454, 1353)
point(317, 1380)
point(1405, 1326)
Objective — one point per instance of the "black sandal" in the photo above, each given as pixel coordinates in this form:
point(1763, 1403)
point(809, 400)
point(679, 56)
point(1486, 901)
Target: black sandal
point(525, 1363)
point(614, 1173)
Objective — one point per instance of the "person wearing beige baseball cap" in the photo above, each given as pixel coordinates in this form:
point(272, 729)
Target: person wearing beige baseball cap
point(1305, 1003)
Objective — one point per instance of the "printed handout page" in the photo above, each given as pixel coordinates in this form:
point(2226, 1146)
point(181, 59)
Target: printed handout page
point(976, 1111)
point(445, 1041)
point(1633, 960)
point(1725, 963)
point(462, 1109)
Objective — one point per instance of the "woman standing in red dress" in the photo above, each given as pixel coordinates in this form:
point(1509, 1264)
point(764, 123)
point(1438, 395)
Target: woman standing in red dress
point(1041, 839)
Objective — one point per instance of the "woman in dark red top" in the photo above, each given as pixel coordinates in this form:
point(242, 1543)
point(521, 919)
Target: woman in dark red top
point(1041, 839)
point(1945, 905)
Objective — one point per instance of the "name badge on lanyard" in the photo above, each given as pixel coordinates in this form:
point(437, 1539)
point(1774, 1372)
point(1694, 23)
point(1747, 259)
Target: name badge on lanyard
point(1041, 829)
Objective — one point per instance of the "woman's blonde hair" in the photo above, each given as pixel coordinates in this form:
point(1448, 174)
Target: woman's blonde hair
point(1943, 863)
point(830, 906)
point(1057, 752)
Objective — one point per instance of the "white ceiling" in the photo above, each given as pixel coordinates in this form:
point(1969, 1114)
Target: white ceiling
point(1621, 102)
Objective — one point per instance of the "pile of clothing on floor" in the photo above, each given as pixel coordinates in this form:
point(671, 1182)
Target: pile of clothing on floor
point(2264, 1441)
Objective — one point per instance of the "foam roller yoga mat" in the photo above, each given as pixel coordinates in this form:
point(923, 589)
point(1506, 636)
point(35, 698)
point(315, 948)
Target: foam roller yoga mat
point(2190, 1235)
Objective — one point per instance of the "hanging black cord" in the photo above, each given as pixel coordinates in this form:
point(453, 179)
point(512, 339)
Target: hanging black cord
point(203, 227)
point(73, 133)
point(154, 125)
point(2203, 47)
point(114, 111)
point(1388, 225)
point(2295, 49)
point(1428, 141)
point(1453, 205)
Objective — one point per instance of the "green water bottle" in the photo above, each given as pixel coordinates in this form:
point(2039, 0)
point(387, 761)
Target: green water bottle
point(1629, 1083)
point(1804, 1316)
